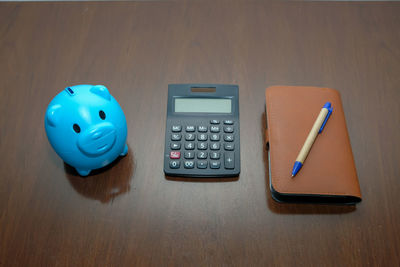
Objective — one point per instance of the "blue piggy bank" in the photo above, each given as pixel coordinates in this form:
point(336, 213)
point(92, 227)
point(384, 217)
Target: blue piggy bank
point(86, 127)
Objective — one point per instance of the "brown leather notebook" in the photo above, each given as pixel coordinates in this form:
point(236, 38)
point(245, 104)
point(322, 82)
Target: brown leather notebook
point(328, 174)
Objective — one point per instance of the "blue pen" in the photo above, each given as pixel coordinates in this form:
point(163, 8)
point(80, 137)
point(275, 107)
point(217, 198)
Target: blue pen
point(317, 128)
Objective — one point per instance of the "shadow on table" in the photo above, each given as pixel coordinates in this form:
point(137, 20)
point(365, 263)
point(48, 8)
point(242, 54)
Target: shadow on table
point(104, 184)
point(291, 208)
point(202, 180)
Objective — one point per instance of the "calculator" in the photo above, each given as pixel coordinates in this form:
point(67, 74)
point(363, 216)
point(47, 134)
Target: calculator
point(202, 131)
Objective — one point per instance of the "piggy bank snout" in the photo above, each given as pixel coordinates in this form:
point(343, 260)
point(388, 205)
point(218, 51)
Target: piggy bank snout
point(98, 139)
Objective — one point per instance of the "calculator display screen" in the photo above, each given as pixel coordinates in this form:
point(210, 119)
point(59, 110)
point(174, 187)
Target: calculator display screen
point(203, 105)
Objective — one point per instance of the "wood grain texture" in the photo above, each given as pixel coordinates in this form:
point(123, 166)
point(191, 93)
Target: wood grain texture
point(130, 214)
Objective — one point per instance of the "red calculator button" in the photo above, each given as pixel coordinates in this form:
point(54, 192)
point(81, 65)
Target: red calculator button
point(175, 155)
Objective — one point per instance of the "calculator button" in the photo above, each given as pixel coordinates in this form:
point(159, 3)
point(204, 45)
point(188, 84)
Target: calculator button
point(202, 146)
point(214, 121)
point(188, 164)
point(214, 155)
point(214, 129)
point(176, 128)
point(174, 164)
point(175, 146)
point(228, 137)
point(202, 164)
point(189, 145)
point(228, 129)
point(202, 129)
point(189, 137)
point(202, 137)
point(228, 122)
point(175, 155)
point(229, 146)
point(190, 128)
point(176, 137)
point(189, 155)
point(229, 160)
point(214, 137)
point(201, 155)
point(214, 146)
point(215, 164)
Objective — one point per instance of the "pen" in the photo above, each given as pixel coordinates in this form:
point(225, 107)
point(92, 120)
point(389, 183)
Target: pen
point(317, 128)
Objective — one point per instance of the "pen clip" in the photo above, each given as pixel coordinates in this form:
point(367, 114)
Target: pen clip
point(326, 119)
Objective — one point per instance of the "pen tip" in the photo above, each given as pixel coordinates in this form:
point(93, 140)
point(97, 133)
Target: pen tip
point(292, 175)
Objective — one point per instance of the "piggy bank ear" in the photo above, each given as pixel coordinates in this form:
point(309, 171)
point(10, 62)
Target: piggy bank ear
point(101, 91)
point(52, 115)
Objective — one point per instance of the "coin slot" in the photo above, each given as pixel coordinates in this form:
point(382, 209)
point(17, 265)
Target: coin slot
point(70, 91)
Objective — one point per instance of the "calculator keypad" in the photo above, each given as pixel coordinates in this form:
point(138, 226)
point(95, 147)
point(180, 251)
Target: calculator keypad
point(207, 145)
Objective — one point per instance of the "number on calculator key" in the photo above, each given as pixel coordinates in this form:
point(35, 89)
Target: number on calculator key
point(202, 155)
point(188, 164)
point(189, 145)
point(202, 146)
point(214, 146)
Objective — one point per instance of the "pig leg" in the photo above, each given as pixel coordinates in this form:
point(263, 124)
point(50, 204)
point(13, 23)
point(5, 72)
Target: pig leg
point(83, 172)
point(125, 151)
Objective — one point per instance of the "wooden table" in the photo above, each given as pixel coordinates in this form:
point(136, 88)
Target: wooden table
point(130, 214)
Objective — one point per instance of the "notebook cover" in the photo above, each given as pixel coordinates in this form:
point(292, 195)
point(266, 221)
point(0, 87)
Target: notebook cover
point(328, 174)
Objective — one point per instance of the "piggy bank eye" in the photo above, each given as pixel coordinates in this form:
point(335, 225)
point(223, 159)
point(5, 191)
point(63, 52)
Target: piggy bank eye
point(76, 127)
point(102, 115)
